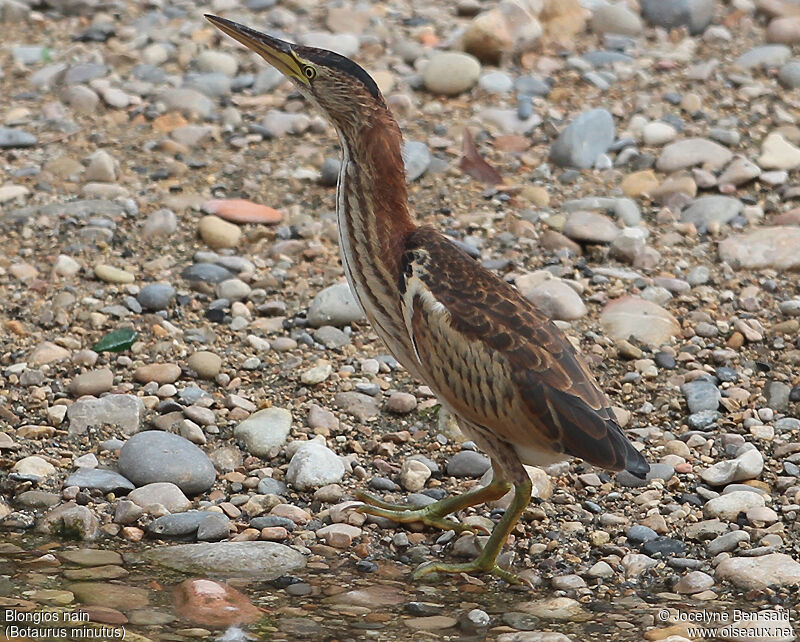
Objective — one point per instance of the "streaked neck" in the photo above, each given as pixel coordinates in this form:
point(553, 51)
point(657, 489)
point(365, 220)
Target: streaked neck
point(374, 219)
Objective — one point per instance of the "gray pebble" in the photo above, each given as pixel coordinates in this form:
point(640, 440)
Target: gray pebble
point(584, 139)
point(155, 456)
point(701, 394)
point(468, 463)
point(106, 481)
point(156, 296)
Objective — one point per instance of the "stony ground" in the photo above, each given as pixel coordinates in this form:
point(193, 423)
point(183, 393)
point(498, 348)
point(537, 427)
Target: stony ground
point(182, 361)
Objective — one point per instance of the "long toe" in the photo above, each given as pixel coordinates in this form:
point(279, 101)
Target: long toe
point(373, 500)
point(475, 566)
point(423, 515)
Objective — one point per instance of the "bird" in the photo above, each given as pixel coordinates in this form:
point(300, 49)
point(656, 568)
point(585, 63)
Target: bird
point(513, 380)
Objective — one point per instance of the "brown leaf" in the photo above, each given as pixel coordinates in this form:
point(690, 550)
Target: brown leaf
point(472, 163)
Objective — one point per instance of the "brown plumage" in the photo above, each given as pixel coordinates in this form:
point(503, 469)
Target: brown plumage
point(509, 375)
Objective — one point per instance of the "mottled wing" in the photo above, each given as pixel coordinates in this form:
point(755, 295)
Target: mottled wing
point(500, 363)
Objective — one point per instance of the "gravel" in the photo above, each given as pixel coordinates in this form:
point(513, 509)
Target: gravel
point(647, 156)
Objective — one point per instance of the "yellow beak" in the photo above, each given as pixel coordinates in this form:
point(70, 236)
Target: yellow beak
point(276, 52)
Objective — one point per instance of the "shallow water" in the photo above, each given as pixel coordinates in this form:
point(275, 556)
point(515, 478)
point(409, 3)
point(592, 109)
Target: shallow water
point(33, 581)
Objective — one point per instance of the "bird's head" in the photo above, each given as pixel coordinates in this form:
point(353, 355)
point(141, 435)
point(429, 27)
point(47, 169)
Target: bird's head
point(344, 92)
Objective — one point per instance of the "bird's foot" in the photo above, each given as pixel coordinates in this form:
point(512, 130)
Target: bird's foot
point(487, 565)
point(403, 514)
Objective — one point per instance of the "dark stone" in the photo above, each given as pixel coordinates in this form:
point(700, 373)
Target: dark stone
point(663, 547)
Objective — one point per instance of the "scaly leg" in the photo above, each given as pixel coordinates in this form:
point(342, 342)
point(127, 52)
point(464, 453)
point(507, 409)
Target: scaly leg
point(486, 562)
point(433, 514)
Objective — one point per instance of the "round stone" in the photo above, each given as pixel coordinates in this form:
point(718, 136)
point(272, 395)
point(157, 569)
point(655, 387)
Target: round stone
point(581, 142)
point(218, 233)
point(92, 382)
point(401, 402)
point(336, 306)
point(156, 296)
point(451, 73)
point(206, 364)
point(468, 463)
point(314, 465)
point(34, 466)
point(155, 456)
point(264, 430)
point(658, 133)
point(161, 373)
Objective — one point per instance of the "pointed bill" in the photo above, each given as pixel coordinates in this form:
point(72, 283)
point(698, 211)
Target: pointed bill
point(276, 52)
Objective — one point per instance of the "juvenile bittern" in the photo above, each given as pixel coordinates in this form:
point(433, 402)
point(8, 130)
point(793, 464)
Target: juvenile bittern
point(512, 379)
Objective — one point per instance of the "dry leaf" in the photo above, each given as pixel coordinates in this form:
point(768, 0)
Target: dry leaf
point(472, 163)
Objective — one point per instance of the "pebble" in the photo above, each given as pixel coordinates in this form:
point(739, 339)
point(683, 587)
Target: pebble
point(746, 466)
point(155, 456)
point(496, 82)
point(778, 153)
point(218, 233)
point(204, 525)
point(414, 474)
point(708, 210)
point(689, 152)
point(239, 210)
point(106, 481)
point(206, 364)
point(468, 463)
point(758, 573)
point(111, 274)
point(643, 320)
point(694, 582)
point(122, 411)
point(555, 299)
point(92, 382)
point(10, 137)
point(658, 133)
point(329, 172)
point(34, 466)
point(164, 494)
point(615, 18)
point(767, 247)
point(263, 560)
point(701, 394)
point(451, 73)
point(336, 306)
point(314, 465)
point(729, 506)
point(161, 373)
point(590, 227)
point(669, 14)
point(584, 139)
point(264, 430)
point(401, 402)
point(764, 56)
point(213, 604)
point(339, 535)
point(417, 159)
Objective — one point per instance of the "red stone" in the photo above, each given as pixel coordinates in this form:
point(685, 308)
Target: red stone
point(239, 210)
point(213, 604)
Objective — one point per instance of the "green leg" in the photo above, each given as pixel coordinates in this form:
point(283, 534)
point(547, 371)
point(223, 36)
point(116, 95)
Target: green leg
point(433, 514)
point(486, 562)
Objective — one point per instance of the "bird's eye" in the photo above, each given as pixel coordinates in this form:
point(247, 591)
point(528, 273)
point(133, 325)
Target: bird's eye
point(310, 72)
